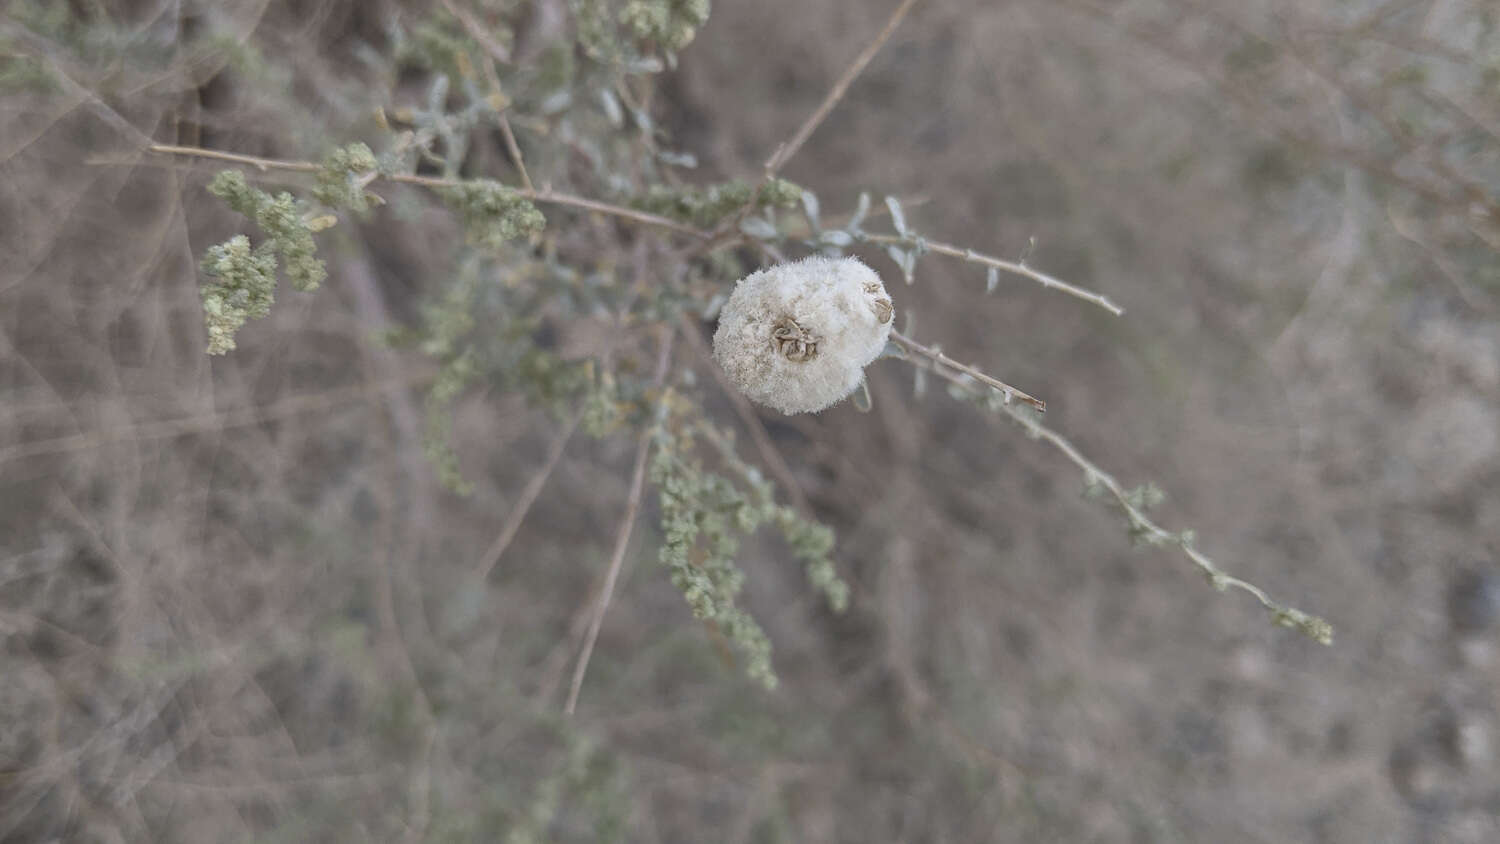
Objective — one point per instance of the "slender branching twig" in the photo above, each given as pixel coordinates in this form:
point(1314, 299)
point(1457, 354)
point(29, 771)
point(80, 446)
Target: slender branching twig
point(545, 195)
point(1015, 267)
point(515, 152)
point(498, 100)
point(616, 560)
point(529, 495)
point(785, 151)
point(622, 535)
point(1141, 525)
point(477, 31)
point(941, 360)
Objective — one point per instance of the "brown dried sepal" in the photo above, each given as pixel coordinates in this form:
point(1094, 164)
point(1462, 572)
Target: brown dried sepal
point(793, 342)
point(884, 310)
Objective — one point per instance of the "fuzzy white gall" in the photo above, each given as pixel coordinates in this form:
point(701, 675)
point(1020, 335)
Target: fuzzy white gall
point(797, 336)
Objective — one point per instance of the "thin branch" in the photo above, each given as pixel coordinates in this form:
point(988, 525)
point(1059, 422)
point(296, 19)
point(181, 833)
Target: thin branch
point(261, 164)
point(515, 152)
point(622, 535)
point(1014, 267)
point(1143, 527)
point(786, 149)
point(785, 152)
point(477, 31)
point(498, 100)
point(941, 360)
point(545, 195)
point(528, 497)
point(616, 560)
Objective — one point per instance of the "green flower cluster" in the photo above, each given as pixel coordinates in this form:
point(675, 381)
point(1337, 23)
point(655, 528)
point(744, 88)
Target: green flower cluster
point(283, 220)
point(668, 24)
point(671, 23)
point(812, 543)
point(346, 171)
point(706, 207)
point(494, 214)
point(243, 287)
point(588, 775)
point(449, 323)
point(242, 281)
point(1305, 623)
point(704, 516)
point(437, 437)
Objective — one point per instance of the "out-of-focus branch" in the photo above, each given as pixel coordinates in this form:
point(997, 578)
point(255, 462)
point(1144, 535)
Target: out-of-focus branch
point(544, 195)
point(622, 535)
point(785, 151)
point(528, 497)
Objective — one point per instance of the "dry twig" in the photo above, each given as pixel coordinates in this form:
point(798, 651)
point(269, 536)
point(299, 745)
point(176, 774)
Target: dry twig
point(785, 152)
point(1141, 525)
point(529, 495)
point(1014, 267)
point(787, 149)
point(545, 195)
point(941, 360)
point(622, 535)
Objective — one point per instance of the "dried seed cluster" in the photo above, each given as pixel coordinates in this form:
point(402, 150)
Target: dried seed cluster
point(797, 336)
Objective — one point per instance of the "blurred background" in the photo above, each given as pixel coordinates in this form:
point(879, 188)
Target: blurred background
point(236, 605)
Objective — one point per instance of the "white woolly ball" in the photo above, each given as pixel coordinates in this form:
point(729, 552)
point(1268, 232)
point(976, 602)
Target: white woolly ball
point(797, 336)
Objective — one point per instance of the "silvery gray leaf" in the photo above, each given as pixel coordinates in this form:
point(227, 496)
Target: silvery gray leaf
point(898, 219)
point(759, 228)
point(810, 207)
point(860, 211)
